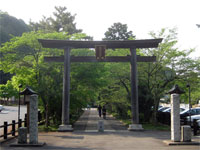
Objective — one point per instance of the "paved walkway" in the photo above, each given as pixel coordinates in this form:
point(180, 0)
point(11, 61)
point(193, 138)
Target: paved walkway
point(116, 137)
point(89, 120)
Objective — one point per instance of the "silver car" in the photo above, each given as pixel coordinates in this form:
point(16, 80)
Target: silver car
point(193, 117)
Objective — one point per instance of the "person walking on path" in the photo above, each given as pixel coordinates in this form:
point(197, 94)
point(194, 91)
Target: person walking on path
point(99, 110)
point(104, 112)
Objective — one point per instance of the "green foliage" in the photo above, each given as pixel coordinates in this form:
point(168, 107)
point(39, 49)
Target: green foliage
point(116, 94)
point(10, 26)
point(96, 83)
point(23, 56)
point(118, 31)
point(8, 90)
point(172, 67)
point(51, 128)
point(62, 21)
point(155, 79)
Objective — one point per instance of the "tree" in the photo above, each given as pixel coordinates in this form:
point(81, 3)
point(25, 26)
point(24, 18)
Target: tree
point(9, 27)
point(155, 79)
point(172, 66)
point(116, 95)
point(8, 90)
point(62, 21)
point(23, 56)
point(118, 31)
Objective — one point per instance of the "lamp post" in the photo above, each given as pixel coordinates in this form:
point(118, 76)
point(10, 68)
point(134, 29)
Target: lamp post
point(188, 86)
point(20, 86)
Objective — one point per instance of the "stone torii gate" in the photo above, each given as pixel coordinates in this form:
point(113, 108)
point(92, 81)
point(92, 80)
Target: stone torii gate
point(100, 47)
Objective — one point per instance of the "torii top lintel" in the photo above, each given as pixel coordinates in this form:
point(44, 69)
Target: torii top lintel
point(61, 44)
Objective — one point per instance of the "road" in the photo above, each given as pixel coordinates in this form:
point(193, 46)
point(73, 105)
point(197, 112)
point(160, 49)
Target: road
point(10, 113)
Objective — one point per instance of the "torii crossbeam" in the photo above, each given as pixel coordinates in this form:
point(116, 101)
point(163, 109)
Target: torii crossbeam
point(67, 45)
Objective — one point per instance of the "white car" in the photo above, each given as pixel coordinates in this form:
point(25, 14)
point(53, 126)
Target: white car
point(169, 110)
point(198, 122)
point(1, 108)
point(161, 109)
point(193, 117)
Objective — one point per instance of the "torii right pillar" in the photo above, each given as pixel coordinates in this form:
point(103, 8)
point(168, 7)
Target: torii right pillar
point(135, 126)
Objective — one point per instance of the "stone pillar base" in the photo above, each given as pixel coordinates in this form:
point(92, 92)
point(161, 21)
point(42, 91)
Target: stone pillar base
point(100, 126)
point(22, 135)
point(65, 128)
point(186, 135)
point(135, 127)
point(27, 145)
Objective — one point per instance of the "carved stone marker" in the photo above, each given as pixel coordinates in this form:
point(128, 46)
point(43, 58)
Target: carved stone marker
point(175, 118)
point(33, 124)
point(22, 135)
point(175, 113)
point(100, 126)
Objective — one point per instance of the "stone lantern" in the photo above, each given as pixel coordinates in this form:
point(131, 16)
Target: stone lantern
point(175, 90)
point(31, 99)
point(27, 92)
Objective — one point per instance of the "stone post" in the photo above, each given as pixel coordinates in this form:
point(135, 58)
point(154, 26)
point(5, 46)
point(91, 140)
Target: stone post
point(100, 126)
point(175, 113)
point(186, 135)
point(22, 135)
point(33, 120)
point(175, 118)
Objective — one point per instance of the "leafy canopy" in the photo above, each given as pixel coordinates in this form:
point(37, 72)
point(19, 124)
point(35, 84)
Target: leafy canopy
point(118, 31)
point(62, 21)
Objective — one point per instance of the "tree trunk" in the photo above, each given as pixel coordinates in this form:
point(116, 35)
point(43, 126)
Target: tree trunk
point(155, 109)
point(47, 115)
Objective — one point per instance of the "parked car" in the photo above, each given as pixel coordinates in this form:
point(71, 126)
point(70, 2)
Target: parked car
point(169, 110)
point(192, 118)
point(1, 108)
point(198, 122)
point(193, 111)
point(162, 109)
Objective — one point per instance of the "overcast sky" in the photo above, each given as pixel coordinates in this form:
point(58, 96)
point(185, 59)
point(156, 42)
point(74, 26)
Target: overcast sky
point(141, 16)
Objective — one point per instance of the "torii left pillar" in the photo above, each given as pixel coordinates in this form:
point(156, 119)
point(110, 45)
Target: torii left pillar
point(135, 126)
point(65, 126)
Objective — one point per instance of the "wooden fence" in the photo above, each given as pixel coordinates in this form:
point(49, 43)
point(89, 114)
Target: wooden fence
point(14, 128)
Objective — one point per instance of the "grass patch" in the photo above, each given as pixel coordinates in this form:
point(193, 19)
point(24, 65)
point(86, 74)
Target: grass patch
point(160, 127)
point(126, 122)
point(51, 128)
point(150, 126)
point(146, 126)
point(54, 127)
